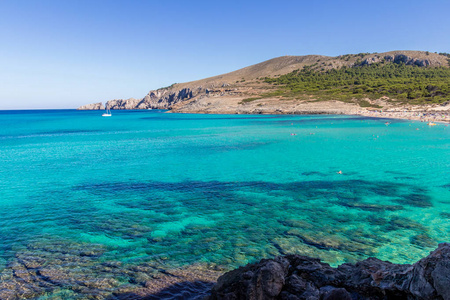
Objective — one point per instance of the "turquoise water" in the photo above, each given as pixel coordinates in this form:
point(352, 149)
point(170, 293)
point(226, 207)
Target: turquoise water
point(216, 191)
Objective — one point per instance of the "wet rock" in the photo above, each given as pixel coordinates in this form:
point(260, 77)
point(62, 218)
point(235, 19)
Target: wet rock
point(260, 281)
point(297, 223)
point(416, 200)
point(140, 278)
point(331, 293)
point(423, 240)
point(31, 262)
point(401, 223)
point(325, 241)
point(309, 278)
point(300, 287)
point(445, 215)
point(373, 220)
point(371, 206)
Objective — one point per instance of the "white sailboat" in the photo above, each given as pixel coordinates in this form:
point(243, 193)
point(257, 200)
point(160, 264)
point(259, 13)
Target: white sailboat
point(107, 113)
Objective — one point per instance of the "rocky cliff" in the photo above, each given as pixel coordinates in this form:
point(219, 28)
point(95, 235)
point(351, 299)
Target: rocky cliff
point(124, 104)
point(226, 92)
point(93, 106)
point(301, 277)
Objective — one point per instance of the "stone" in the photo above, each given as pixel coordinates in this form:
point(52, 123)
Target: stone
point(302, 277)
point(331, 293)
point(263, 281)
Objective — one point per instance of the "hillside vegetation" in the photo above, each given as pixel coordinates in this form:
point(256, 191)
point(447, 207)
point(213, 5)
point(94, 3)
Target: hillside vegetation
point(409, 84)
point(393, 78)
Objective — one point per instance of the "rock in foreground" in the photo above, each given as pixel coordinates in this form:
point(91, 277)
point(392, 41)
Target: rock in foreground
point(300, 277)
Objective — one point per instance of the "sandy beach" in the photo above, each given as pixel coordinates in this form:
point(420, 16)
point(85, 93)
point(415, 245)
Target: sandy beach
point(423, 115)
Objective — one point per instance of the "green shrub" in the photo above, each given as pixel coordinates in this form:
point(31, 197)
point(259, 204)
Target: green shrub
point(399, 81)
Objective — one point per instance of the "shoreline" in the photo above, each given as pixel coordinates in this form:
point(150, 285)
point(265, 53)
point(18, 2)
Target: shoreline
point(440, 116)
point(422, 116)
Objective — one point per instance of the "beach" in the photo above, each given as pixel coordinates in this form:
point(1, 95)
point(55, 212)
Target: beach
point(442, 116)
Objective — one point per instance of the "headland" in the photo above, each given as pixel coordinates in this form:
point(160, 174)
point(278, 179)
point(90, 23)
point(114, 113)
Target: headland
point(397, 84)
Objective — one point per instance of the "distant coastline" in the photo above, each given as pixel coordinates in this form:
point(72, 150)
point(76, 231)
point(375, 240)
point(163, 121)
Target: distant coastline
point(423, 114)
point(410, 85)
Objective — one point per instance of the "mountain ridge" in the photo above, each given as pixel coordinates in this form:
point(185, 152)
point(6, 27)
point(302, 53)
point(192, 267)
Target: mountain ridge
point(230, 92)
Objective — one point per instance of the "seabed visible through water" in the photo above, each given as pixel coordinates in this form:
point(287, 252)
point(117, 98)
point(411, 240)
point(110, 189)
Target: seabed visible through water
point(146, 202)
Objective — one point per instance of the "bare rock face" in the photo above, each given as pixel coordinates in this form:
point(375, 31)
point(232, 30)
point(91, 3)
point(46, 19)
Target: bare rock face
point(408, 60)
point(402, 58)
point(370, 60)
point(157, 99)
point(165, 98)
point(301, 277)
point(93, 106)
point(122, 103)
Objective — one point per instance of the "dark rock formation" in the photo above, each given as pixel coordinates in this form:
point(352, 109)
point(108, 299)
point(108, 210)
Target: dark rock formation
point(301, 277)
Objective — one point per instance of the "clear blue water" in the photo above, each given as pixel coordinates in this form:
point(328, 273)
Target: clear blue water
point(219, 190)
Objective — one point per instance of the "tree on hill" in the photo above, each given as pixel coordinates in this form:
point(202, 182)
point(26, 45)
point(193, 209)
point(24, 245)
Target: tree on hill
point(407, 83)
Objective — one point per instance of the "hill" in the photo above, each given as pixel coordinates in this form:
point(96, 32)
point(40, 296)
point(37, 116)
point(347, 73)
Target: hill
point(310, 84)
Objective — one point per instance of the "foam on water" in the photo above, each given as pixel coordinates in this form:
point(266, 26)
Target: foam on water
point(145, 188)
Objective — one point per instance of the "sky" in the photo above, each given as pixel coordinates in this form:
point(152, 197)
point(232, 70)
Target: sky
point(63, 54)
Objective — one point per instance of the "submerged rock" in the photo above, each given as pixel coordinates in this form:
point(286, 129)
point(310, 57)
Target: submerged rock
point(302, 277)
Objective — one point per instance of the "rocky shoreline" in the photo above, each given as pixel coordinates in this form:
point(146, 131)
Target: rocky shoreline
point(302, 277)
point(232, 105)
point(77, 272)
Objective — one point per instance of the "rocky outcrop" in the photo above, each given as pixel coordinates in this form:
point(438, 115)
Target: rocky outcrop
point(249, 82)
point(123, 103)
point(93, 106)
point(405, 59)
point(165, 98)
point(157, 99)
point(408, 60)
point(301, 277)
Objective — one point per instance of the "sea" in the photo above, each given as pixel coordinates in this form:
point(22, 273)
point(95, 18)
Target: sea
point(138, 203)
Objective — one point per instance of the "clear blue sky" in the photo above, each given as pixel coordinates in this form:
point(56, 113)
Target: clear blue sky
point(62, 54)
